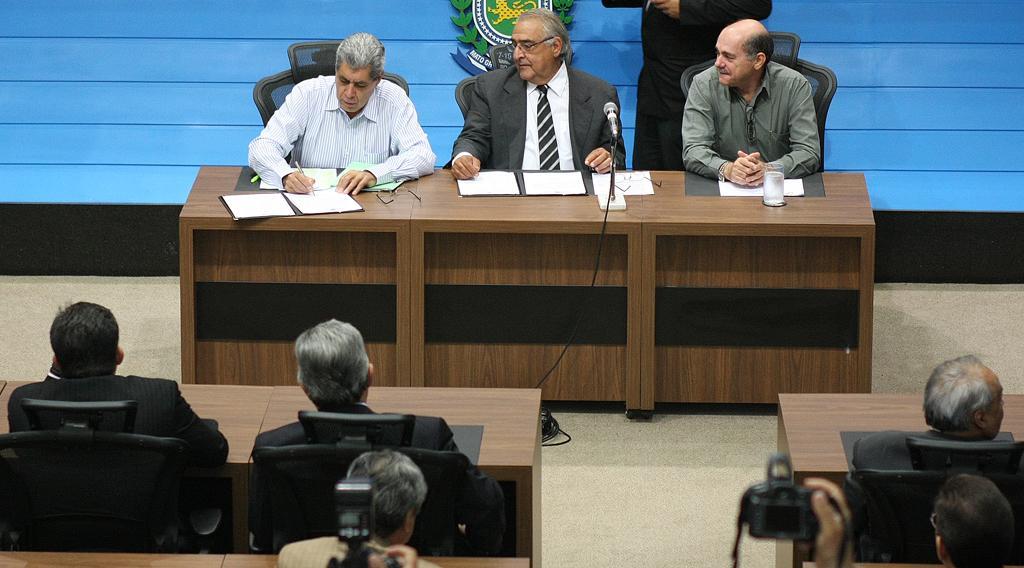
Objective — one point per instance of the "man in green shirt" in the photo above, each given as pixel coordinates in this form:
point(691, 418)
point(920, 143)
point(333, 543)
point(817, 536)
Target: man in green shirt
point(746, 111)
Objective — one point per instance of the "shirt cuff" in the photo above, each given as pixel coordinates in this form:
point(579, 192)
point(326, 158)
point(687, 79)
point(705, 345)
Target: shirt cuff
point(281, 172)
point(381, 172)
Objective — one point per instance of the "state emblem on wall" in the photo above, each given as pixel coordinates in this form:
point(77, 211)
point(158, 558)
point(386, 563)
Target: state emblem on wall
point(485, 23)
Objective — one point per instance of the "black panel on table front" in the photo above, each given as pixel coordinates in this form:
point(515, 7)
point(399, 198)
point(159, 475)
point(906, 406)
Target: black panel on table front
point(524, 314)
point(756, 317)
point(280, 312)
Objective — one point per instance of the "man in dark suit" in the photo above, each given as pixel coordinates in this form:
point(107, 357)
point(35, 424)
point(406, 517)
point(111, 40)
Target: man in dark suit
point(540, 114)
point(335, 373)
point(963, 400)
point(84, 338)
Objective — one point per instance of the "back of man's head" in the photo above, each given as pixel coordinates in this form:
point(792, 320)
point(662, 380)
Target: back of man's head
point(955, 391)
point(333, 366)
point(399, 491)
point(84, 339)
point(974, 523)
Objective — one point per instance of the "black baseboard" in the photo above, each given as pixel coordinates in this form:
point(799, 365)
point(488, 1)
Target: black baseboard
point(142, 240)
point(88, 240)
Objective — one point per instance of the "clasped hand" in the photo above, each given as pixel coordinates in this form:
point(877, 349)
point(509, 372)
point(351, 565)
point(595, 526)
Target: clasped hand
point(748, 169)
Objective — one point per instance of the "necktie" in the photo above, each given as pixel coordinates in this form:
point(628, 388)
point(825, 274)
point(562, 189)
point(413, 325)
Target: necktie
point(547, 146)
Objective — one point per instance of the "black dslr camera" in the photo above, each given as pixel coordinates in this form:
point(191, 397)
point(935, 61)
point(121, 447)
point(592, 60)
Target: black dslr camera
point(777, 508)
point(353, 500)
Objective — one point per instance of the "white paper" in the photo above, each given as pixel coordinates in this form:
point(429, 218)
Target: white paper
point(490, 183)
point(553, 183)
point(626, 183)
point(326, 178)
point(323, 201)
point(252, 205)
point(790, 188)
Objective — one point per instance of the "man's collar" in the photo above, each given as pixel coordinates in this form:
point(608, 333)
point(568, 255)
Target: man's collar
point(559, 83)
point(371, 111)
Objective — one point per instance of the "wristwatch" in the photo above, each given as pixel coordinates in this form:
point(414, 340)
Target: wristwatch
point(721, 171)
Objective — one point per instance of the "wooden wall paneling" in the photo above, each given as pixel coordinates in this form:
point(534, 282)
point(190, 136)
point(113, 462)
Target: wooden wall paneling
point(186, 287)
point(272, 363)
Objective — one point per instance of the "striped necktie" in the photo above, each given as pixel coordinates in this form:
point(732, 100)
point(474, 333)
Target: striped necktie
point(547, 145)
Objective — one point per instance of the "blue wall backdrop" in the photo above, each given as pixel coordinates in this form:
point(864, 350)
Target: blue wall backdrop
point(120, 101)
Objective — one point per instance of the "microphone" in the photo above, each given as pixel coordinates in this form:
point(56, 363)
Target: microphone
point(612, 112)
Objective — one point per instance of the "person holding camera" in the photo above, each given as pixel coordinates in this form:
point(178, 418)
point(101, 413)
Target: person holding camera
point(335, 373)
point(398, 492)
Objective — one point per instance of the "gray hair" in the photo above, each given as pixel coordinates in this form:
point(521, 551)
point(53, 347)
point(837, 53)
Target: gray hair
point(359, 51)
point(333, 365)
point(398, 486)
point(551, 24)
point(955, 390)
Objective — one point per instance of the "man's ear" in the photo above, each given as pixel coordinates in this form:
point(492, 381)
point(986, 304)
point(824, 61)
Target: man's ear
point(760, 61)
point(120, 355)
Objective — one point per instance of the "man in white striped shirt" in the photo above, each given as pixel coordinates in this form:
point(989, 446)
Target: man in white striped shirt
point(330, 122)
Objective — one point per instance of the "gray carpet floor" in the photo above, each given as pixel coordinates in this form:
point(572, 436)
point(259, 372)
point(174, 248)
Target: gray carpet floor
point(658, 493)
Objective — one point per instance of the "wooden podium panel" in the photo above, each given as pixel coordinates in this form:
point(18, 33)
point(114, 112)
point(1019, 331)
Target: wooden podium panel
point(249, 287)
point(697, 299)
point(525, 265)
point(742, 301)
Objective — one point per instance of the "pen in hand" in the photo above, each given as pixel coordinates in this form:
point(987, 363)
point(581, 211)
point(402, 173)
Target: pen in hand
point(311, 188)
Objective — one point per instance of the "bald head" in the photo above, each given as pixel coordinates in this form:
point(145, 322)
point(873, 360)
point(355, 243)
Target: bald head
point(744, 50)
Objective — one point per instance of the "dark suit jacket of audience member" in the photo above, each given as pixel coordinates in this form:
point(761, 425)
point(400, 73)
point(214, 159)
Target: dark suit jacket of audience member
point(162, 411)
point(481, 506)
point(495, 127)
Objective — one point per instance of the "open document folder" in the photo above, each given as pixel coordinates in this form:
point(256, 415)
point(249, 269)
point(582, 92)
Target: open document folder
point(327, 178)
point(279, 204)
point(528, 183)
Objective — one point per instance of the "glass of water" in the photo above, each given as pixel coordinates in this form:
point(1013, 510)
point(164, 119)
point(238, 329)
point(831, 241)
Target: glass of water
point(774, 182)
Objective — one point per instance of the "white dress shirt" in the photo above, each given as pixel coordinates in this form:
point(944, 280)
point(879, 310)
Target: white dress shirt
point(558, 100)
point(319, 134)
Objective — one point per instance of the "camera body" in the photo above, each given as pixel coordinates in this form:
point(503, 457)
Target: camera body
point(353, 501)
point(778, 508)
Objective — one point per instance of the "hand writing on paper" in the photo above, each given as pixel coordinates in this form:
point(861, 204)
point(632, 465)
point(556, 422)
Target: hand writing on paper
point(298, 183)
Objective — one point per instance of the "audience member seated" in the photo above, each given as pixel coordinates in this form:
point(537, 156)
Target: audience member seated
point(399, 492)
point(84, 338)
point(973, 523)
point(335, 373)
point(963, 401)
point(747, 110)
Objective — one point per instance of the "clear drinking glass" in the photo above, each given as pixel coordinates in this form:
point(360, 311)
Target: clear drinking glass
point(774, 182)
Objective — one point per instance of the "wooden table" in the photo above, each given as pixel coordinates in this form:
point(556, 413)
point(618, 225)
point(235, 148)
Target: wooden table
point(264, 561)
point(239, 412)
point(810, 426)
point(484, 292)
point(509, 451)
point(117, 560)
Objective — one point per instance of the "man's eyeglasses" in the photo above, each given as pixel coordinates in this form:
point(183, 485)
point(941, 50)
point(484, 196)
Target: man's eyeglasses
point(389, 195)
point(527, 45)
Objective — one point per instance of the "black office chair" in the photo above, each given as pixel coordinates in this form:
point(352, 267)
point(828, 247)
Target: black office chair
point(109, 416)
point(300, 480)
point(308, 59)
point(83, 490)
point(964, 457)
point(899, 507)
point(462, 93)
point(822, 80)
point(367, 430)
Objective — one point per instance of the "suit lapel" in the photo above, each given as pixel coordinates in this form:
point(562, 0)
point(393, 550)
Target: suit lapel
point(579, 121)
point(515, 105)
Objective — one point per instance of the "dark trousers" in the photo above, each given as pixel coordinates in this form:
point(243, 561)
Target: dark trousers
point(658, 143)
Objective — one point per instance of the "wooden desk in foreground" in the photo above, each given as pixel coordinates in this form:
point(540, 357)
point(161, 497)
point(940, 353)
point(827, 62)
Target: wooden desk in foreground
point(698, 299)
point(509, 451)
point(810, 426)
point(113, 560)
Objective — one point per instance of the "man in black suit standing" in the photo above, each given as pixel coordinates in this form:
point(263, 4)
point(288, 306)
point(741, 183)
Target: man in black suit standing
point(540, 114)
point(84, 338)
point(335, 373)
point(963, 401)
point(675, 35)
